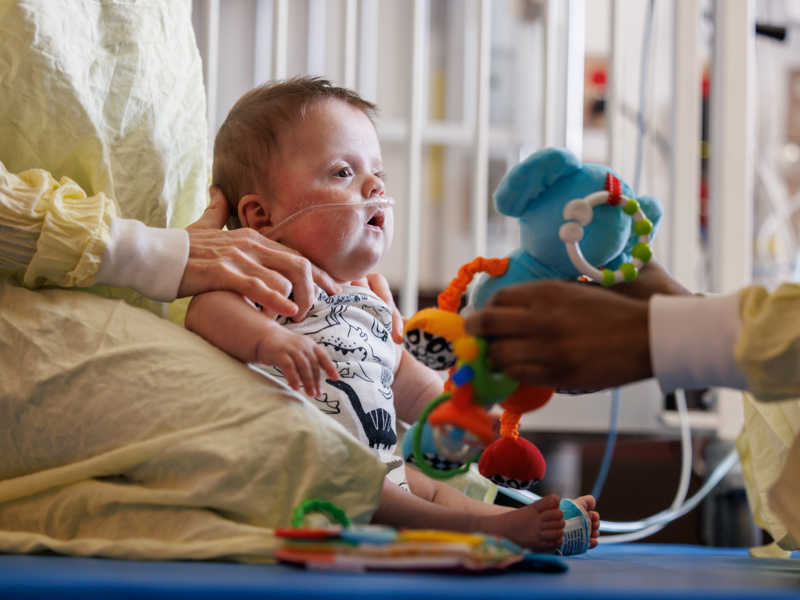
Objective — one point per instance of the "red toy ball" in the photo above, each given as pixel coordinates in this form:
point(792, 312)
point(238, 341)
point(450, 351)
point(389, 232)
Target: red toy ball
point(513, 463)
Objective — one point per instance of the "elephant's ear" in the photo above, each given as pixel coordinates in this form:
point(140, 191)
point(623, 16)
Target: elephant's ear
point(526, 181)
point(653, 210)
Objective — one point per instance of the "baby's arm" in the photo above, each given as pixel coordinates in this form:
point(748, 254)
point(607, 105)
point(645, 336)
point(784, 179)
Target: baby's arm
point(415, 385)
point(229, 322)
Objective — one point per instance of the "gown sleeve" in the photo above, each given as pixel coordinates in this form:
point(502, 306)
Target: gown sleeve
point(53, 231)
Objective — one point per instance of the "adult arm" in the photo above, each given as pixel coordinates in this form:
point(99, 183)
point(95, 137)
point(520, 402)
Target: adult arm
point(54, 231)
point(245, 262)
point(565, 335)
point(574, 336)
point(768, 344)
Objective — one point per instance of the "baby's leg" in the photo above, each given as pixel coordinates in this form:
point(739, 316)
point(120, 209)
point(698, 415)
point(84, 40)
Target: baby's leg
point(539, 526)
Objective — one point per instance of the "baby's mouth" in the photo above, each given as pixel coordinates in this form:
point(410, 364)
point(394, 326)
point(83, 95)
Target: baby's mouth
point(377, 219)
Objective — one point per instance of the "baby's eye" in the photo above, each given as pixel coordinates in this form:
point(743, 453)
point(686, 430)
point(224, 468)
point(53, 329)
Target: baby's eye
point(345, 172)
point(380, 175)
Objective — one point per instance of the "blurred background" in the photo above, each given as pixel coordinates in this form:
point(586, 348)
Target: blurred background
point(696, 102)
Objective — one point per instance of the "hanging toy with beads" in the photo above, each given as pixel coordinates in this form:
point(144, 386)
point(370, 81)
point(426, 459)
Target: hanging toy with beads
point(454, 428)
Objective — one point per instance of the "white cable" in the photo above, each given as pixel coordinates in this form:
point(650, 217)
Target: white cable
point(526, 497)
point(670, 515)
point(683, 484)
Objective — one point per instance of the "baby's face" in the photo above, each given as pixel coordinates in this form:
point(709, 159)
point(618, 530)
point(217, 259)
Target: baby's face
point(332, 155)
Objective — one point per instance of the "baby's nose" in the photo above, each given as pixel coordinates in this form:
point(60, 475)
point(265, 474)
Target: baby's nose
point(373, 187)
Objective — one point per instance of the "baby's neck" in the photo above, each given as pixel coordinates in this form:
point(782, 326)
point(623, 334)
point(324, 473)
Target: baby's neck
point(357, 283)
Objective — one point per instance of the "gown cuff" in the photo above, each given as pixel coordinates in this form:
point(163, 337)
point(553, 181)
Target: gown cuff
point(692, 342)
point(149, 260)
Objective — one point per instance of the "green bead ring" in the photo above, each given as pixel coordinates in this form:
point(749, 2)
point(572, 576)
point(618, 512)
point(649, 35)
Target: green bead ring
point(578, 213)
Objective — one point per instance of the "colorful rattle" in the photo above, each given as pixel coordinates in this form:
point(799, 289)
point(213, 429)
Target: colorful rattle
point(578, 213)
point(454, 428)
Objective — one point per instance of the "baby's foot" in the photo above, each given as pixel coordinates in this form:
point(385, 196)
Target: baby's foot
point(587, 504)
point(582, 525)
point(538, 526)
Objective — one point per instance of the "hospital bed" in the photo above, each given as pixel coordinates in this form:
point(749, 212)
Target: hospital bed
point(670, 572)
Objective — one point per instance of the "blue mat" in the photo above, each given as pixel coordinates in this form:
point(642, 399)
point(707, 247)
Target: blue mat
point(608, 572)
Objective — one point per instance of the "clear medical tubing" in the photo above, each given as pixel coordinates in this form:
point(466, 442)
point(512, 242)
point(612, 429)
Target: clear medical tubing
point(611, 442)
point(671, 514)
point(664, 516)
point(381, 201)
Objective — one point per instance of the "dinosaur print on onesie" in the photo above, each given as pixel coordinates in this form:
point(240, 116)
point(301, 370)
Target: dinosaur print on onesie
point(354, 326)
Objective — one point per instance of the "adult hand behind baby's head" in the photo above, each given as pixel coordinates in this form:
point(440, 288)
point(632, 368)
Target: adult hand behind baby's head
point(245, 262)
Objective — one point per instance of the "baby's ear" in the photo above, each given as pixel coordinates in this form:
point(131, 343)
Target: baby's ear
point(255, 212)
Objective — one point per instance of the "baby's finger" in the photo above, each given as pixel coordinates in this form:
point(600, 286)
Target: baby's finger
point(308, 370)
point(287, 367)
point(398, 325)
point(327, 364)
point(271, 301)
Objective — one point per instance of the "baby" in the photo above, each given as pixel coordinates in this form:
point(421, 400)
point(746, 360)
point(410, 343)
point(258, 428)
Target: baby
point(286, 147)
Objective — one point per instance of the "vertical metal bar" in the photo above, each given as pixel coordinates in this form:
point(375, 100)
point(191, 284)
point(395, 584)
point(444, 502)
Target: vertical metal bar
point(576, 51)
point(553, 98)
point(469, 78)
point(280, 38)
point(262, 63)
point(731, 134)
point(350, 39)
point(565, 28)
point(613, 112)
point(480, 168)
point(315, 64)
point(368, 51)
point(212, 67)
point(410, 292)
point(684, 248)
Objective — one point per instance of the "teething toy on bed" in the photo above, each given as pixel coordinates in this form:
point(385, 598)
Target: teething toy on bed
point(576, 219)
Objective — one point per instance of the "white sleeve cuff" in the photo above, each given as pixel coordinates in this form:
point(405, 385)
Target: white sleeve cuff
point(149, 260)
point(692, 342)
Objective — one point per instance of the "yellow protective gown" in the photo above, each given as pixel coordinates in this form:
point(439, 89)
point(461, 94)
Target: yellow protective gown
point(768, 350)
point(122, 434)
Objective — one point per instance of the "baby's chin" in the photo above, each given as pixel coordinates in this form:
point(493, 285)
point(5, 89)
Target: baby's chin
point(357, 266)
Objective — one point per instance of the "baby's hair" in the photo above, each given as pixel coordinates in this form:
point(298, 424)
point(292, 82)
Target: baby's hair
point(249, 135)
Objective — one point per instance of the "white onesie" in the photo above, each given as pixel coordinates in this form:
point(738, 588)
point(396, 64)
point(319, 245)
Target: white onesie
point(354, 327)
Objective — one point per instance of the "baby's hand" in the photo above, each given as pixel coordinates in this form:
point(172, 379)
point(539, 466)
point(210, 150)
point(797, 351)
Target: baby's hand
point(299, 358)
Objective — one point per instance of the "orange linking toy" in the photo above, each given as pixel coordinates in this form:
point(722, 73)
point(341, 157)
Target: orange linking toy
point(457, 421)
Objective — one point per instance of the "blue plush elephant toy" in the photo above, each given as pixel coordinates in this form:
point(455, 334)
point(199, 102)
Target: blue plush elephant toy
point(536, 192)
